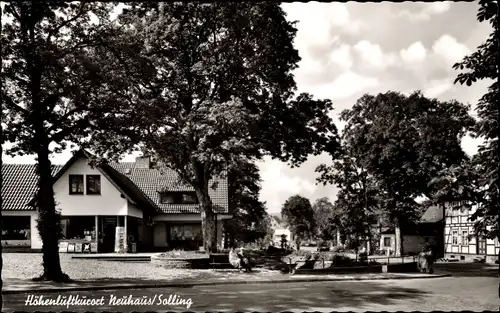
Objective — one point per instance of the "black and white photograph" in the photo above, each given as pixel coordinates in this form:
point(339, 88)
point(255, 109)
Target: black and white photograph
point(213, 156)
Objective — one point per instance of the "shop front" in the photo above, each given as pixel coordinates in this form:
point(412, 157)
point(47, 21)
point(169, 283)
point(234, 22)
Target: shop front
point(99, 234)
point(16, 231)
point(187, 236)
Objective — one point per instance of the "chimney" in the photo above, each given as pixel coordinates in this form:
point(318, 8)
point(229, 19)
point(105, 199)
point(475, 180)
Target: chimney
point(143, 162)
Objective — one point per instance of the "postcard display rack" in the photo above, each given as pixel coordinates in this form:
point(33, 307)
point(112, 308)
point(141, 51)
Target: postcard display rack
point(87, 244)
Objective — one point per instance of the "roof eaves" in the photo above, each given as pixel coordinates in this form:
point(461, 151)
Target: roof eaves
point(145, 198)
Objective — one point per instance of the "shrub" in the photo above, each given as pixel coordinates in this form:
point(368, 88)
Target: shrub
point(341, 260)
point(338, 249)
point(302, 253)
point(277, 251)
point(181, 254)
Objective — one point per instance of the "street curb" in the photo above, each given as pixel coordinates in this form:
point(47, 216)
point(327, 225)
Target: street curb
point(214, 283)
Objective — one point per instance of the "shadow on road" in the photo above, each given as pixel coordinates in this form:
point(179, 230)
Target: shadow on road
point(252, 297)
point(468, 269)
point(310, 297)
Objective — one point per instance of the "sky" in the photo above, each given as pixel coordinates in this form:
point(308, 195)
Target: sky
point(348, 51)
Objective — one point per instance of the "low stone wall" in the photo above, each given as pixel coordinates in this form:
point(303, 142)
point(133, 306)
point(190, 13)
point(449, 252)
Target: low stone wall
point(391, 268)
point(342, 270)
point(401, 268)
point(180, 263)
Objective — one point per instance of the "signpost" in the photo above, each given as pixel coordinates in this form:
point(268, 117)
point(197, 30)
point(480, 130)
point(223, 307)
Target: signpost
point(120, 239)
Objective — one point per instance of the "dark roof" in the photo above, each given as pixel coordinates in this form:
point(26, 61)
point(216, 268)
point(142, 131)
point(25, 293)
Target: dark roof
point(433, 214)
point(82, 153)
point(151, 181)
point(420, 229)
point(20, 185)
point(139, 185)
point(407, 230)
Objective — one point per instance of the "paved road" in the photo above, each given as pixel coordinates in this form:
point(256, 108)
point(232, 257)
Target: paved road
point(452, 293)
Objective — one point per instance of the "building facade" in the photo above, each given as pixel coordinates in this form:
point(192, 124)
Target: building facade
point(280, 230)
point(116, 207)
point(461, 243)
point(412, 242)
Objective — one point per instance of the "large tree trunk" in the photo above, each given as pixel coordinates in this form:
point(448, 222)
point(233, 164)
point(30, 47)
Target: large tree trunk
point(49, 221)
point(207, 221)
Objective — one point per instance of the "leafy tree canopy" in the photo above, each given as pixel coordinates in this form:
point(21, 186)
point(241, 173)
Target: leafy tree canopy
point(298, 213)
point(244, 204)
point(49, 85)
point(208, 87)
point(403, 141)
point(484, 64)
point(324, 217)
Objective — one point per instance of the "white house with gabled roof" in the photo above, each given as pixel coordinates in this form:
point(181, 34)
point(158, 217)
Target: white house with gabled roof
point(114, 207)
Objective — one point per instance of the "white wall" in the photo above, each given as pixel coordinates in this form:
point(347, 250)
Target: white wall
point(393, 242)
point(282, 231)
point(36, 241)
point(109, 202)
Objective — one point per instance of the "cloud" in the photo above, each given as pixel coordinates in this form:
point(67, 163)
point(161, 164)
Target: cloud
point(277, 185)
point(373, 56)
point(471, 145)
point(438, 87)
point(448, 48)
point(317, 21)
point(350, 83)
point(426, 12)
point(345, 85)
point(342, 56)
point(438, 7)
point(415, 53)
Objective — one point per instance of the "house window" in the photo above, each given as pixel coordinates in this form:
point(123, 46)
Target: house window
point(93, 184)
point(76, 184)
point(78, 227)
point(16, 228)
point(465, 239)
point(189, 198)
point(454, 238)
point(387, 241)
point(178, 198)
point(186, 232)
point(167, 198)
point(464, 211)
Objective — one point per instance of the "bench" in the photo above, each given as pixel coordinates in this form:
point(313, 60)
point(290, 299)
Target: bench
point(220, 260)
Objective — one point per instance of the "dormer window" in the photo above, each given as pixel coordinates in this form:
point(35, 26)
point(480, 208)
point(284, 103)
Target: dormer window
point(186, 197)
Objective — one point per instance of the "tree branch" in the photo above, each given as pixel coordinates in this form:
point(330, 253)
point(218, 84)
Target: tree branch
point(13, 105)
point(67, 22)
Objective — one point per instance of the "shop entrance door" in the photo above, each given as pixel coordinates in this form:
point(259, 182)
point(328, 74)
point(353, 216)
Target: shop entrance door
point(108, 234)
